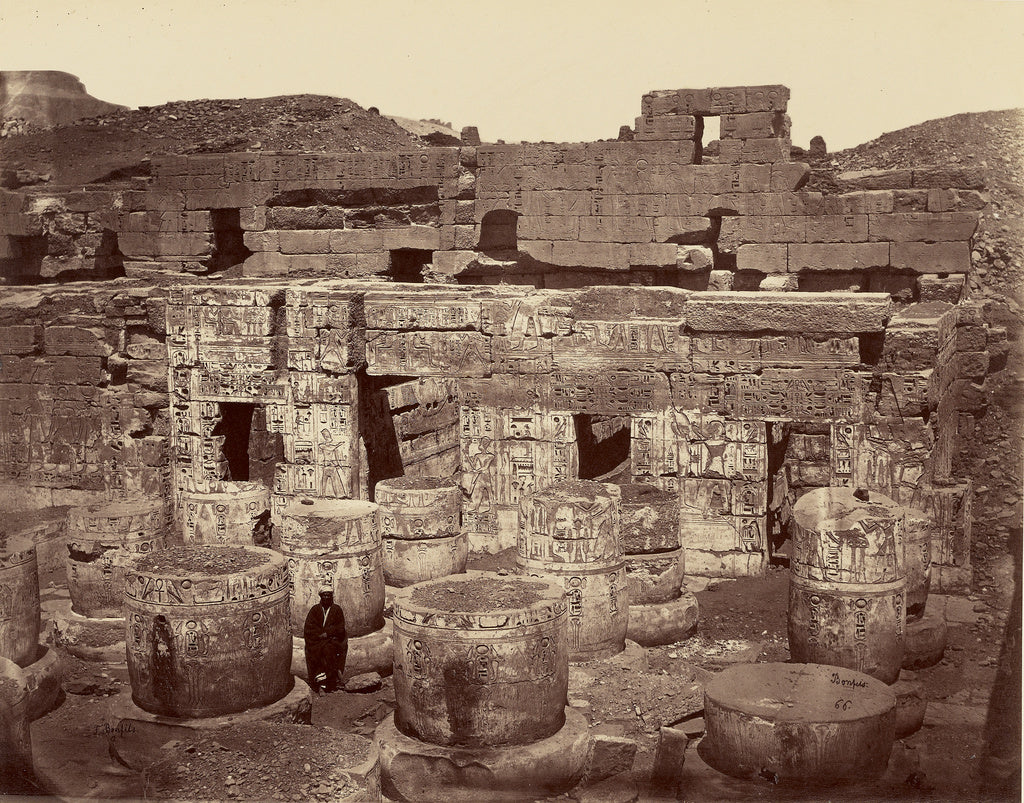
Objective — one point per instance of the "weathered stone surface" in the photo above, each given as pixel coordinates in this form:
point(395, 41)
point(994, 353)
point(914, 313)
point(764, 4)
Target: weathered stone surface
point(651, 624)
point(800, 312)
point(667, 773)
point(609, 755)
point(925, 641)
point(481, 671)
point(221, 668)
point(412, 770)
point(19, 614)
point(783, 719)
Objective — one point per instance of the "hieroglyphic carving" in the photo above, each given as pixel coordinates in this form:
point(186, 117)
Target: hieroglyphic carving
point(428, 353)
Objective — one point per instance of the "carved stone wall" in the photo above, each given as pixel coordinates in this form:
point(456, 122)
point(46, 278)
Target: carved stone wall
point(742, 382)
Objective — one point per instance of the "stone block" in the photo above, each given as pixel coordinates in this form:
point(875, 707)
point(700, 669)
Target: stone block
point(943, 176)
point(754, 151)
point(839, 313)
point(754, 125)
point(864, 202)
point(789, 176)
point(666, 127)
point(142, 244)
point(609, 755)
point(910, 200)
point(660, 255)
point(786, 283)
point(930, 227)
point(875, 179)
point(946, 257)
point(670, 755)
point(837, 256)
point(426, 238)
point(836, 229)
point(721, 280)
point(932, 287)
point(19, 339)
point(693, 230)
point(736, 231)
point(356, 241)
point(970, 365)
point(304, 242)
point(608, 256)
point(617, 229)
point(695, 257)
point(549, 227)
point(768, 258)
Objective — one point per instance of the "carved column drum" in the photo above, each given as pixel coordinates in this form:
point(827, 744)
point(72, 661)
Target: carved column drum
point(334, 542)
point(570, 531)
point(413, 561)
point(235, 513)
point(19, 600)
point(207, 630)
point(847, 590)
point(918, 560)
point(102, 540)
point(481, 660)
point(419, 507)
point(798, 722)
point(421, 527)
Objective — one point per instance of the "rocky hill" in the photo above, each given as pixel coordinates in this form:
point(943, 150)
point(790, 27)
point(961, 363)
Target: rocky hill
point(42, 98)
point(993, 140)
point(115, 146)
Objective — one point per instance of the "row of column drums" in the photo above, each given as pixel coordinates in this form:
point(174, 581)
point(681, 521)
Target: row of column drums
point(119, 564)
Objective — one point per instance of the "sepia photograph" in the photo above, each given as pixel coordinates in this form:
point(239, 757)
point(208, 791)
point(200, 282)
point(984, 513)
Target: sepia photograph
point(541, 401)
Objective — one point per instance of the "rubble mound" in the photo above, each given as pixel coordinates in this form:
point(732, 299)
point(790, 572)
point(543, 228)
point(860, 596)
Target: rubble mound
point(41, 98)
point(115, 146)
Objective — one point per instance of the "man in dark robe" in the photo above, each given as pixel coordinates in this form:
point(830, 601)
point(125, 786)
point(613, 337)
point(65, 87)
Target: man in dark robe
point(326, 643)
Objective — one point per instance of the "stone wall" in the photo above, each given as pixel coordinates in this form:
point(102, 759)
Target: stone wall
point(793, 339)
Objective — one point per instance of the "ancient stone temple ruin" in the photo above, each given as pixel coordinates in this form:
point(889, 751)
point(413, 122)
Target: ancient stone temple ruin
point(467, 337)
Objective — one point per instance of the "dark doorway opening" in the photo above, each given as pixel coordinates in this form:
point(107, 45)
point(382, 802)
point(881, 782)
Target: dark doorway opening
point(251, 451)
point(498, 231)
point(407, 264)
point(229, 247)
point(235, 424)
point(603, 443)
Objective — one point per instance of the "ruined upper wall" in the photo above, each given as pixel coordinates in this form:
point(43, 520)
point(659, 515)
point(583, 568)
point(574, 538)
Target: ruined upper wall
point(648, 210)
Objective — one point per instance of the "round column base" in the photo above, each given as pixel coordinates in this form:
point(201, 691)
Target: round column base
point(295, 707)
point(925, 641)
point(664, 622)
point(412, 770)
point(911, 704)
point(42, 679)
point(98, 640)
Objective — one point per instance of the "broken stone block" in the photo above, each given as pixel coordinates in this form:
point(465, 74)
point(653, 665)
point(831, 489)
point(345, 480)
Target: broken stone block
point(721, 280)
point(932, 287)
point(786, 283)
point(364, 683)
point(609, 755)
point(694, 257)
point(667, 773)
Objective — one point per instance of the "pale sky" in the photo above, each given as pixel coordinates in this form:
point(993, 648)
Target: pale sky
point(534, 70)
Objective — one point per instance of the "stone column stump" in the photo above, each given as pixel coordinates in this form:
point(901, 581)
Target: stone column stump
point(421, 529)
point(847, 589)
point(235, 513)
point(798, 722)
point(569, 531)
point(207, 631)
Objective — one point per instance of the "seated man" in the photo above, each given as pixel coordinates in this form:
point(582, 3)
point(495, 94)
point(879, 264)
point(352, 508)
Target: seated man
point(326, 643)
